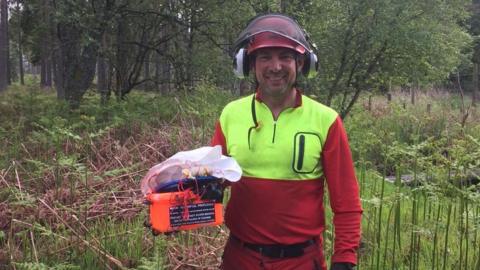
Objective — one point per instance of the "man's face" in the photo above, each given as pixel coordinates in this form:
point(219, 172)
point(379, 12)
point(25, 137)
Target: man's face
point(275, 70)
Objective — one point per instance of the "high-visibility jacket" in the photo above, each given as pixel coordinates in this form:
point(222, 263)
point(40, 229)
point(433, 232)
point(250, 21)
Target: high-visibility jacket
point(285, 163)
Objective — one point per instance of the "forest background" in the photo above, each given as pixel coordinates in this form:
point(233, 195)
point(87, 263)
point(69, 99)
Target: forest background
point(93, 93)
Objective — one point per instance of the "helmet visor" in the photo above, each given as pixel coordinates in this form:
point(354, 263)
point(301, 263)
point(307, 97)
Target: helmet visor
point(268, 39)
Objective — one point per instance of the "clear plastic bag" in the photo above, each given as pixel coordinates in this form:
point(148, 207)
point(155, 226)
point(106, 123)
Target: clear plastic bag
point(204, 161)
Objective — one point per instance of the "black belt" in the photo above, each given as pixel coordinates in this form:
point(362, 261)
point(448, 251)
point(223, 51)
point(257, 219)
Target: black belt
point(277, 250)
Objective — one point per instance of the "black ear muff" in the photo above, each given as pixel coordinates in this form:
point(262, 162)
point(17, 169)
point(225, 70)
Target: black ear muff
point(310, 67)
point(241, 64)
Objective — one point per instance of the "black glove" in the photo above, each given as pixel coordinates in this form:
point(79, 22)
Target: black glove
point(342, 266)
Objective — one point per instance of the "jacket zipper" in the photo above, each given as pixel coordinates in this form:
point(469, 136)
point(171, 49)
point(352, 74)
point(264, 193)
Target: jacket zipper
point(274, 130)
point(275, 124)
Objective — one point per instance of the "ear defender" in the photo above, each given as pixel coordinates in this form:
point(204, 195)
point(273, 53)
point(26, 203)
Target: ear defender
point(241, 64)
point(310, 67)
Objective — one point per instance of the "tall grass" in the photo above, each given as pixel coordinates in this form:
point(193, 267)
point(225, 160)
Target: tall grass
point(433, 208)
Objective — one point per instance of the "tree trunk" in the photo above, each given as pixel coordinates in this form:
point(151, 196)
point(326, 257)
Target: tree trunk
point(122, 59)
point(75, 64)
point(110, 78)
point(20, 51)
point(3, 45)
point(9, 66)
point(43, 47)
point(158, 72)
point(146, 72)
point(20, 60)
point(58, 71)
point(46, 48)
point(189, 67)
point(475, 84)
point(58, 61)
point(102, 74)
point(43, 71)
point(162, 74)
point(48, 74)
point(162, 65)
point(102, 84)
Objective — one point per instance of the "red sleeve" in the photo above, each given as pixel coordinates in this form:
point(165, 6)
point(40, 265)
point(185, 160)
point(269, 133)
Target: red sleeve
point(218, 138)
point(343, 192)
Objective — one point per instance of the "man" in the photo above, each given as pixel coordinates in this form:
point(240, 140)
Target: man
point(288, 146)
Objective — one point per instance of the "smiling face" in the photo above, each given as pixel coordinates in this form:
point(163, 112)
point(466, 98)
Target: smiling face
point(275, 69)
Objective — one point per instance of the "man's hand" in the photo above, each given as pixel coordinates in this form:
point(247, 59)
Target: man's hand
point(342, 266)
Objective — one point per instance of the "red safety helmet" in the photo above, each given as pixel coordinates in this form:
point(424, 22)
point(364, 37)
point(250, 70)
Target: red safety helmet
point(273, 30)
point(278, 24)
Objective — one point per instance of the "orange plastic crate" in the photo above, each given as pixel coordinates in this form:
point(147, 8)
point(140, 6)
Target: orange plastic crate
point(184, 210)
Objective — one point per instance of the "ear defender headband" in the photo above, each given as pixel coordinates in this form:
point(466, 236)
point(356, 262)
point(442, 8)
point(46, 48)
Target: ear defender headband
point(290, 33)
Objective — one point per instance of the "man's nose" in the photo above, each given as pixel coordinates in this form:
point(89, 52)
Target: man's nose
point(276, 64)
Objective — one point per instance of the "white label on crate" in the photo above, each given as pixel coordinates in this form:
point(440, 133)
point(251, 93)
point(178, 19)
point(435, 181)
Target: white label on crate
point(196, 213)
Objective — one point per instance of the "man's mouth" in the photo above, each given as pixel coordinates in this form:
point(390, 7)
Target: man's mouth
point(276, 77)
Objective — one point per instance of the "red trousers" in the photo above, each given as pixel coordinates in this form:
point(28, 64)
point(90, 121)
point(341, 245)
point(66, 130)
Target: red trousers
point(238, 257)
